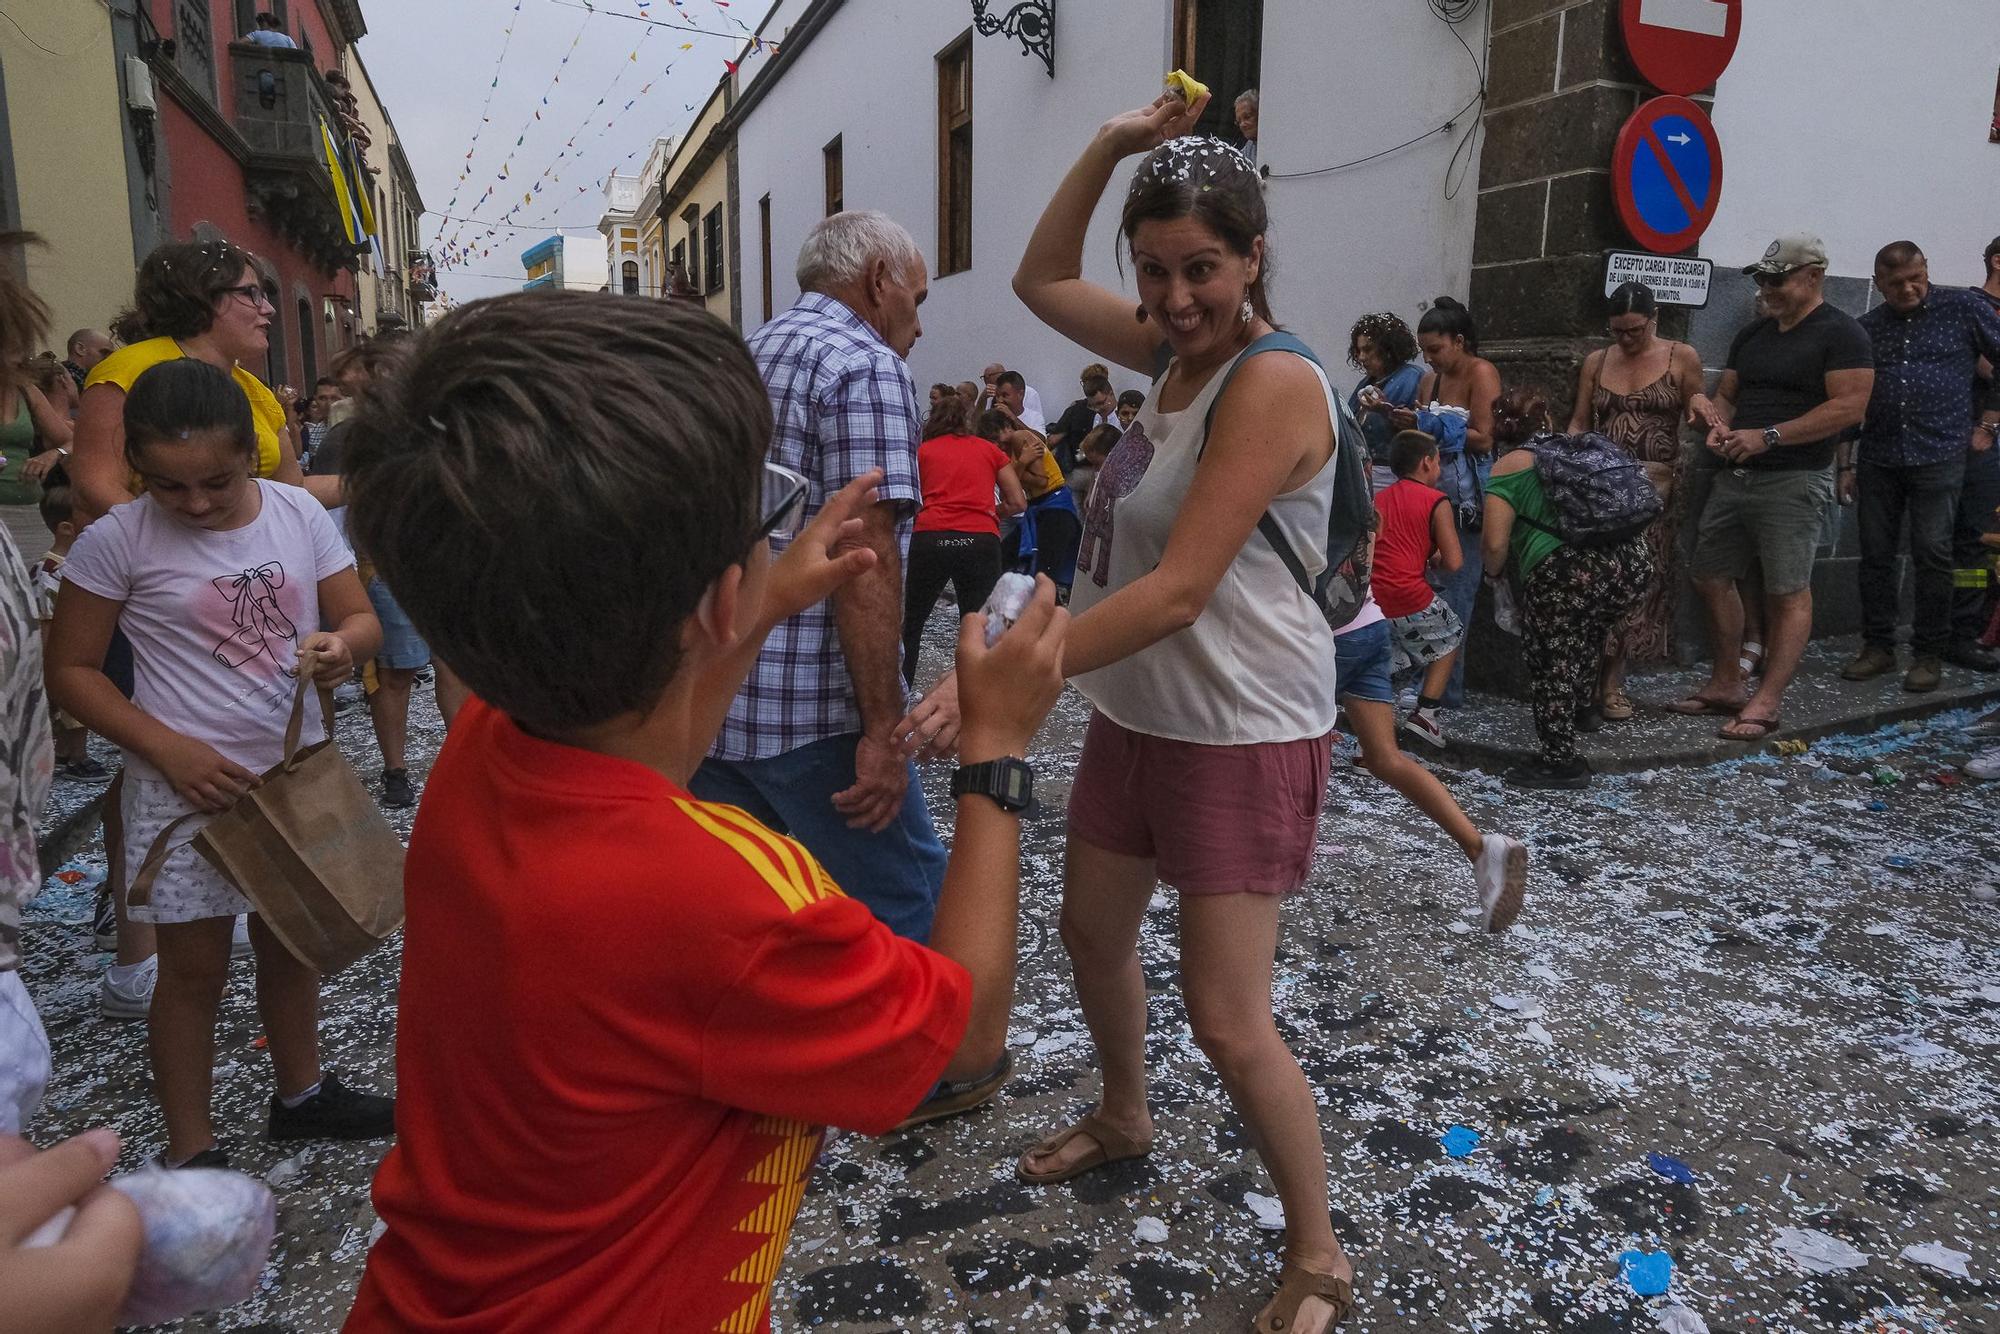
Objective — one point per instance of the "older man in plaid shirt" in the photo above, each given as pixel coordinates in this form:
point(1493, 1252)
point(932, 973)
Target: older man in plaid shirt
point(809, 745)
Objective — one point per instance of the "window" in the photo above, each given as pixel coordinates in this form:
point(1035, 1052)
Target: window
point(691, 219)
point(1993, 135)
point(764, 249)
point(630, 275)
point(679, 265)
point(835, 190)
point(711, 250)
point(1221, 43)
point(954, 132)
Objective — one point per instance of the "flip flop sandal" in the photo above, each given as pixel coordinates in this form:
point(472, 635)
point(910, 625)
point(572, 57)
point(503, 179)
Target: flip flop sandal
point(1766, 729)
point(952, 1099)
point(1295, 1284)
point(1113, 1146)
point(1617, 707)
point(1701, 706)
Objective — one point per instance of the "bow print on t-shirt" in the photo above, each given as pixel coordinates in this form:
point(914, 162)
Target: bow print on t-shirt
point(261, 624)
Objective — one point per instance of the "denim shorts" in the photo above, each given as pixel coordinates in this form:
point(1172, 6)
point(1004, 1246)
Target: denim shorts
point(402, 647)
point(1361, 664)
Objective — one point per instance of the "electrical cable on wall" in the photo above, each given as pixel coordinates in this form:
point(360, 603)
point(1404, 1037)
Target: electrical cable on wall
point(1453, 13)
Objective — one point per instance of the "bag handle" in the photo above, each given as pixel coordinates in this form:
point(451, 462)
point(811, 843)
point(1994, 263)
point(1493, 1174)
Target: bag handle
point(296, 725)
point(141, 892)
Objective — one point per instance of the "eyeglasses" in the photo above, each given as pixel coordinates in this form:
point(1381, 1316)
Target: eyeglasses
point(1613, 331)
point(251, 292)
point(783, 503)
point(1772, 279)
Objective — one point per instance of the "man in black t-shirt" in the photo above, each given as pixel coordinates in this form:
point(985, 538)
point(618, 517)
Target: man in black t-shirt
point(1798, 377)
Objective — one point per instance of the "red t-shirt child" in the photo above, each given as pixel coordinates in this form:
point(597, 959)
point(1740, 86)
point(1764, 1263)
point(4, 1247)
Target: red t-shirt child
point(625, 1017)
point(1404, 545)
point(959, 473)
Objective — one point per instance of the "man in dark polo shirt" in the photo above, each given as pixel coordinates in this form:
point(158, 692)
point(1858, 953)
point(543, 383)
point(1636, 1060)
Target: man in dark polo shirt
point(1798, 377)
point(1925, 419)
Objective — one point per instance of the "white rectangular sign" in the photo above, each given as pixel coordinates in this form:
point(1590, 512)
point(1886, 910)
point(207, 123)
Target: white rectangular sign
point(1675, 282)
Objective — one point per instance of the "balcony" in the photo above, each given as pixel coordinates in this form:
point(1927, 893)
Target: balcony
point(280, 101)
point(423, 278)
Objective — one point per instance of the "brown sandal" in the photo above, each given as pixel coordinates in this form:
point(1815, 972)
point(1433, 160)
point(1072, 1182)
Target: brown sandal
point(1113, 1146)
point(1295, 1284)
point(1617, 707)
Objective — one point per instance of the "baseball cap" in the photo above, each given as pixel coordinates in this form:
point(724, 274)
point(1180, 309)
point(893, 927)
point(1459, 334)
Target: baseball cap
point(1795, 250)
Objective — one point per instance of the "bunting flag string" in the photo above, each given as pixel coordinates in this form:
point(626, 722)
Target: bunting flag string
point(485, 107)
point(555, 79)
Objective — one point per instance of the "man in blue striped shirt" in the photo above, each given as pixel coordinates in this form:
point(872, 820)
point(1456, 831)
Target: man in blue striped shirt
point(808, 746)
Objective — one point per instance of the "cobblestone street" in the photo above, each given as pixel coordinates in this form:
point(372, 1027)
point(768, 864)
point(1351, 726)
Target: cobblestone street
point(1758, 996)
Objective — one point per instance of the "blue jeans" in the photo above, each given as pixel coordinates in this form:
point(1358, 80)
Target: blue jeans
point(1926, 496)
point(1463, 481)
point(897, 873)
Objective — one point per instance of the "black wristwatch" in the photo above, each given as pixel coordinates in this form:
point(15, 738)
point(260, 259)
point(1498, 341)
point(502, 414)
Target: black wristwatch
point(1771, 437)
point(1008, 782)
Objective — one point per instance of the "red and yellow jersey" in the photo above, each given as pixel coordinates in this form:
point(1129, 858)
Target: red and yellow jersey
point(625, 1016)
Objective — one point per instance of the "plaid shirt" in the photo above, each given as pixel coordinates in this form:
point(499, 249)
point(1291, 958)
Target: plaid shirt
point(844, 403)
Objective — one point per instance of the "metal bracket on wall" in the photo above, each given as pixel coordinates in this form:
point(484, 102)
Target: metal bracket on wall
point(1032, 21)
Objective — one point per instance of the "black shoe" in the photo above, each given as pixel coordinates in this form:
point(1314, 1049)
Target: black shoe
point(1973, 657)
point(396, 793)
point(335, 1112)
point(212, 1156)
point(86, 770)
point(1590, 718)
point(949, 1099)
point(104, 921)
point(1542, 774)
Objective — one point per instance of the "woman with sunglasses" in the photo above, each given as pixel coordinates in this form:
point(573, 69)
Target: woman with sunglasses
point(207, 302)
point(1636, 393)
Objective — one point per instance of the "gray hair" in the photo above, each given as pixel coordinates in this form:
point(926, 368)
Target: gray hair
point(841, 249)
point(1247, 95)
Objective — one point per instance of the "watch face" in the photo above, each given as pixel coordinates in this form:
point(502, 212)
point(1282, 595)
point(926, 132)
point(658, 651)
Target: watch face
point(1016, 785)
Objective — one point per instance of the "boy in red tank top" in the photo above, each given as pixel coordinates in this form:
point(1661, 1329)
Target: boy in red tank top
point(1417, 535)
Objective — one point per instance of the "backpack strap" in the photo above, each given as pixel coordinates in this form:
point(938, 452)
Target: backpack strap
point(1275, 341)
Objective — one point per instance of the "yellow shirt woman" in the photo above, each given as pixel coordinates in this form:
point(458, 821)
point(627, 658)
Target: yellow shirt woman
point(127, 364)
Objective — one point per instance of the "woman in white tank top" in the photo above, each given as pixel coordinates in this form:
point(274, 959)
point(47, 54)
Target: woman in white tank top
point(1211, 670)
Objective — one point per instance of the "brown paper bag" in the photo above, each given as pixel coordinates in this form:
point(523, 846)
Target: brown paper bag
point(308, 847)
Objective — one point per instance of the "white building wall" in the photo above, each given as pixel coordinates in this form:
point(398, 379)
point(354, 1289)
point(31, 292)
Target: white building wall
point(1865, 122)
point(1341, 79)
point(584, 269)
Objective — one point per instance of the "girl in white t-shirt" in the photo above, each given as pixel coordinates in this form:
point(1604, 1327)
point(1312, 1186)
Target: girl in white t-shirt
point(218, 579)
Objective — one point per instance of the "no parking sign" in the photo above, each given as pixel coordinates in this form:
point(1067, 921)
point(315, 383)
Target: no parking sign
point(1666, 174)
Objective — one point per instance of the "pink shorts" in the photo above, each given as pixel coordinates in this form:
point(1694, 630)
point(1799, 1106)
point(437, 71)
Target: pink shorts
point(1216, 819)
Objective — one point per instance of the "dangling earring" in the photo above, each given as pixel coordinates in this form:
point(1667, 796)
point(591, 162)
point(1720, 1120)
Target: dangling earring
point(1249, 309)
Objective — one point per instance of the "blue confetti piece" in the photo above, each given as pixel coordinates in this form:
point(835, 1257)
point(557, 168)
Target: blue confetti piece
point(1670, 1167)
point(1459, 1141)
point(1648, 1274)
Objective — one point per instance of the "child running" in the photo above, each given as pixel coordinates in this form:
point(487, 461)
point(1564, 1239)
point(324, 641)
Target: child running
point(217, 578)
point(1362, 661)
point(626, 1014)
point(1417, 534)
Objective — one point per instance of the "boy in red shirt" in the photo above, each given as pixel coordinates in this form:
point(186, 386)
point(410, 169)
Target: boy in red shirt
point(626, 1014)
point(1416, 534)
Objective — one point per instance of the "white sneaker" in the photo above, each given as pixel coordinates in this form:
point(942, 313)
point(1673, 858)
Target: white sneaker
point(239, 939)
point(1986, 764)
point(130, 997)
point(1501, 872)
point(1423, 723)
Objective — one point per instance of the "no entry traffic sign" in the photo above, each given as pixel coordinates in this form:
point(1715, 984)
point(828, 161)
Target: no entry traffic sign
point(1666, 174)
point(1682, 46)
